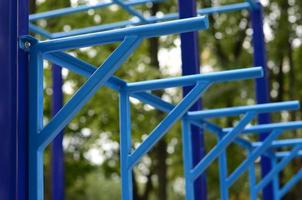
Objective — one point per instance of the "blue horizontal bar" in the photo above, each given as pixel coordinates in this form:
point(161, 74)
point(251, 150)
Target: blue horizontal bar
point(233, 111)
point(224, 8)
point(286, 154)
point(282, 143)
point(230, 75)
point(262, 128)
point(114, 25)
point(70, 10)
point(94, 29)
point(144, 31)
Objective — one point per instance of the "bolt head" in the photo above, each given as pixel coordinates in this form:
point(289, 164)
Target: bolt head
point(27, 44)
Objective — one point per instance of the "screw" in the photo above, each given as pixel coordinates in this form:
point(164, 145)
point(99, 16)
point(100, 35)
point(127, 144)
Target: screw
point(27, 44)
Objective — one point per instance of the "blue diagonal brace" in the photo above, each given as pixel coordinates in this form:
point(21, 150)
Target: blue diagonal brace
point(280, 166)
point(98, 79)
point(222, 144)
point(293, 181)
point(253, 156)
point(167, 122)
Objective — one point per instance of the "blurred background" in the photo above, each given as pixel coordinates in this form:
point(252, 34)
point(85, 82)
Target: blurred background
point(91, 141)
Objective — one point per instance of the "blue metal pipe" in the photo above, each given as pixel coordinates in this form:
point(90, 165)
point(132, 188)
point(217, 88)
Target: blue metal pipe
point(190, 80)
point(223, 173)
point(252, 181)
point(291, 183)
point(213, 128)
point(262, 86)
point(144, 31)
point(252, 157)
point(125, 145)
point(40, 31)
point(57, 152)
point(35, 124)
point(265, 128)
point(13, 103)
point(167, 123)
point(286, 154)
point(187, 158)
point(224, 8)
point(151, 19)
point(234, 111)
point(278, 168)
point(71, 10)
point(222, 144)
point(282, 143)
point(97, 80)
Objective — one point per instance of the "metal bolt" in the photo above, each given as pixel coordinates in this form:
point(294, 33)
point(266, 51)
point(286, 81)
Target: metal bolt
point(27, 44)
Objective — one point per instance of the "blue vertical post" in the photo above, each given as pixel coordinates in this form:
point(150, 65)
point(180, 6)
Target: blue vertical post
point(223, 172)
point(262, 88)
point(13, 100)
point(190, 65)
point(125, 145)
point(57, 175)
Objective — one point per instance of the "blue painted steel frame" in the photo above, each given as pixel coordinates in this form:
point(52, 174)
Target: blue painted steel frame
point(190, 65)
point(40, 136)
point(135, 89)
point(228, 136)
point(249, 4)
point(13, 104)
point(129, 159)
point(262, 90)
point(57, 152)
point(201, 82)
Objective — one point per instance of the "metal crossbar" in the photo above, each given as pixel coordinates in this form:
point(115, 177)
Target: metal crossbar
point(128, 6)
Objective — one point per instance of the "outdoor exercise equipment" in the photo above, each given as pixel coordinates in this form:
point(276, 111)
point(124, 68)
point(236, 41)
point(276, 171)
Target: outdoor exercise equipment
point(130, 34)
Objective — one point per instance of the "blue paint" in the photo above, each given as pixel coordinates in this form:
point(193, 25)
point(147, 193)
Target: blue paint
point(125, 145)
point(262, 90)
point(13, 103)
point(278, 167)
point(143, 31)
point(177, 112)
point(190, 80)
point(122, 24)
point(190, 65)
point(221, 145)
point(81, 8)
point(57, 152)
point(194, 87)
